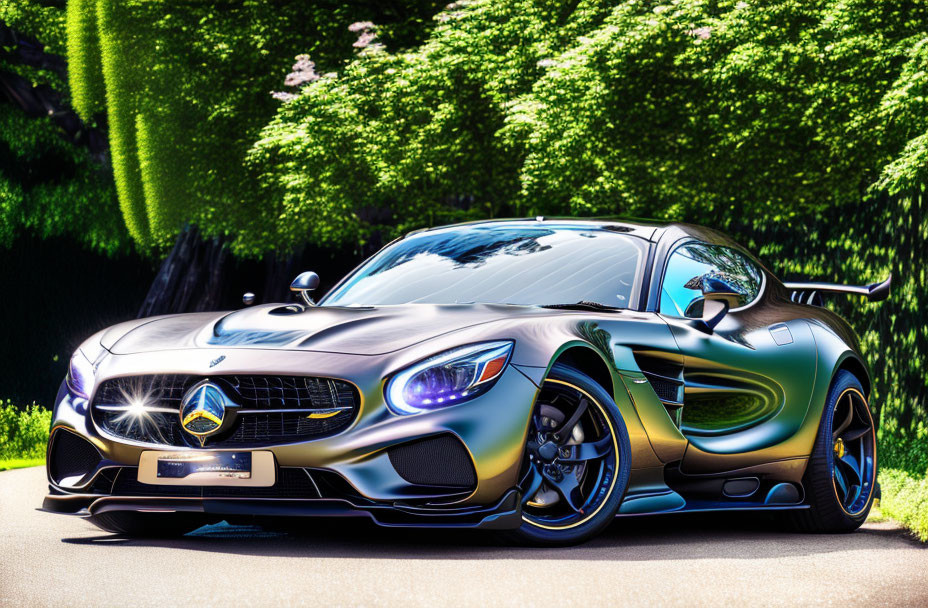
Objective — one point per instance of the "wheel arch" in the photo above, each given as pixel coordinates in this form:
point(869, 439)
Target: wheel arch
point(852, 363)
point(588, 360)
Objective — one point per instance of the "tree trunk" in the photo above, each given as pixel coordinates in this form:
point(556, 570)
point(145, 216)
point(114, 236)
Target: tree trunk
point(279, 272)
point(190, 278)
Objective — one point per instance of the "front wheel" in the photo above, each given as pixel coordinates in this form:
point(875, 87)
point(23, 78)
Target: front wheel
point(841, 476)
point(576, 464)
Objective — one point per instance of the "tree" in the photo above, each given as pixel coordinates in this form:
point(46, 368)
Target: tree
point(186, 87)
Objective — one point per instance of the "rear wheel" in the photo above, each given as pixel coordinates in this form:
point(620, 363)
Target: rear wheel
point(841, 475)
point(576, 465)
point(148, 525)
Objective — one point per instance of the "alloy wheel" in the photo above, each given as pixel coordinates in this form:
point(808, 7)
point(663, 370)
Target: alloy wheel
point(853, 452)
point(571, 458)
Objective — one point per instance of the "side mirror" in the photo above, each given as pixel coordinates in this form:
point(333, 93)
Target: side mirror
point(303, 284)
point(719, 295)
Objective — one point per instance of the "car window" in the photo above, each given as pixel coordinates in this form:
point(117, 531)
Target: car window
point(681, 295)
point(527, 264)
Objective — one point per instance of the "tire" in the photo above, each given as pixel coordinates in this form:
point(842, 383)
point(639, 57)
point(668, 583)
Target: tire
point(606, 477)
point(832, 509)
point(148, 525)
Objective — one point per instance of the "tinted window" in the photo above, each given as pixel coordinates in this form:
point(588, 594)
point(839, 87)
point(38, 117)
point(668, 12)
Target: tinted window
point(681, 295)
point(509, 264)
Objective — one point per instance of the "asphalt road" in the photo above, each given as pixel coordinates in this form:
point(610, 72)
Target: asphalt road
point(686, 560)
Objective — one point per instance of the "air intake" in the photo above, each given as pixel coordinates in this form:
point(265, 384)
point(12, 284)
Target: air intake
point(439, 461)
point(71, 458)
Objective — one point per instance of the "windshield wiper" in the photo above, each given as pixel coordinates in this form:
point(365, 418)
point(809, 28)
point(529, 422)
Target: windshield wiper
point(582, 305)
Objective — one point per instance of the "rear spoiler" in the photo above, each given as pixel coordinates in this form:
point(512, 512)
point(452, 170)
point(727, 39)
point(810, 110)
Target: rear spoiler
point(808, 293)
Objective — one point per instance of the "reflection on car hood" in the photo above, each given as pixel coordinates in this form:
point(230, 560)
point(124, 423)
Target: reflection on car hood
point(363, 330)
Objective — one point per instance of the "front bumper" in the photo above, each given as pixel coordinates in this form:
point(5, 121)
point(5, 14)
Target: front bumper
point(491, 428)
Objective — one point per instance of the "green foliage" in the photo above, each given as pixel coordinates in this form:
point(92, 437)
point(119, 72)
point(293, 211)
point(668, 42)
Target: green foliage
point(905, 499)
point(906, 452)
point(400, 139)
point(50, 187)
point(42, 20)
point(643, 108)
point(187, 89)
point(126, 54)
point(85, 69)
point(23, 431)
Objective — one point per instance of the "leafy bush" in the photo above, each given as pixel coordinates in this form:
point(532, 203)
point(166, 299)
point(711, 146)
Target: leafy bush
point(23, 431)
point(905, 499)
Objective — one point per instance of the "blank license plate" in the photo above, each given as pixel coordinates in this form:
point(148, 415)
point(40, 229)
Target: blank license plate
point(235, 465)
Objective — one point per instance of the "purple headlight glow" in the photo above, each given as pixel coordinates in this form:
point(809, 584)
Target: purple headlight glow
point(80, 375)
point(448, 378)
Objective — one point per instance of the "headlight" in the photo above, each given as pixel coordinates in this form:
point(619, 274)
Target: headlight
point(80, 375)
point(448, 378)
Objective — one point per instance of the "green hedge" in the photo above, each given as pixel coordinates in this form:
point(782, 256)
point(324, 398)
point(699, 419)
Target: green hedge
point(905, 499)
point(23, 431)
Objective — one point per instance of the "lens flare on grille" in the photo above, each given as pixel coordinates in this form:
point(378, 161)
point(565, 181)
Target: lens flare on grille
point(138, 410)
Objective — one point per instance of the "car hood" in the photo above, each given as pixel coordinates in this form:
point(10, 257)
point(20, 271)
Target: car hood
point(353, 330)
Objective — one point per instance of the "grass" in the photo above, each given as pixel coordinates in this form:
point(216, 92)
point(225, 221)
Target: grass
point(903, 461)
point(7, 464)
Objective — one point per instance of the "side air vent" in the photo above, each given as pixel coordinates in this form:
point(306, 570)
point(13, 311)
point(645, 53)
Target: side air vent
point(440, 461)
point(666, 379)
point(71, 459)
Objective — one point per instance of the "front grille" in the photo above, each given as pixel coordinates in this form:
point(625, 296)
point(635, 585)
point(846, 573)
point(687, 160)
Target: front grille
point(272, 409)
point(436, 461)
point(292, 482)
point(71, 456)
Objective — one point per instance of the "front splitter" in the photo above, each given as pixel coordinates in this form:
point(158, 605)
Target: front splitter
point(506, 514)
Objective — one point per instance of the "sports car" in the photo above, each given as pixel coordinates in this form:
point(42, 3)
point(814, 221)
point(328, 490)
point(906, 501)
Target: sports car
point(538, 377)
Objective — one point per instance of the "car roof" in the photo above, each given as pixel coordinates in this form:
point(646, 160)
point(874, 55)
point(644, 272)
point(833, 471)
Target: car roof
point(650, 230)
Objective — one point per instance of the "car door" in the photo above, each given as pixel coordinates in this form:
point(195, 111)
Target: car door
point(746, 384)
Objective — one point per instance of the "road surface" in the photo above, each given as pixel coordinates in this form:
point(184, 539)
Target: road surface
point(674, 560)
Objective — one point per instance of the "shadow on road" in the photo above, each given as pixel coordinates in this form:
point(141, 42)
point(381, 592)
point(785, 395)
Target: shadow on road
point(681, 536)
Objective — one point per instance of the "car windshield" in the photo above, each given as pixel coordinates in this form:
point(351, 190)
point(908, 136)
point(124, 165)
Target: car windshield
point(505, 264)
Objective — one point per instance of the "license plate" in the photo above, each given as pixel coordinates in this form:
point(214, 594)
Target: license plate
point(202, 468)
point(234, 465)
